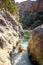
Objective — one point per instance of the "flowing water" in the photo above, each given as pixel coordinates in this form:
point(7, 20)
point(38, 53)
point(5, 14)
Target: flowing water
point(21, 58)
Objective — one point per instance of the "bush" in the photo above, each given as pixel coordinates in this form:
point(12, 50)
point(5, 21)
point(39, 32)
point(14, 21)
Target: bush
point(9, 6)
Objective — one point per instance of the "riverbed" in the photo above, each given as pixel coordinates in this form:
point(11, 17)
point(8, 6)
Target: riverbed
point(21, 58)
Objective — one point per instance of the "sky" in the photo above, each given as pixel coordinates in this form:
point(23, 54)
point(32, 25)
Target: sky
point(21, 0)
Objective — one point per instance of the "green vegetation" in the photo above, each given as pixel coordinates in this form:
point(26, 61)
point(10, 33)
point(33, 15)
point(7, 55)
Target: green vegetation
point(28, 19)
point(26, 35)
point(8, 5)
point(32, 20)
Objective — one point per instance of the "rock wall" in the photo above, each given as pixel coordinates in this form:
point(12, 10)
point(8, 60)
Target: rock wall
point(23, 7)
point(37, 6)
point(9, 36)
point(35, 46)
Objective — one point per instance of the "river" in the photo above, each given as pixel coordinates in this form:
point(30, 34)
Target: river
point(21, 58)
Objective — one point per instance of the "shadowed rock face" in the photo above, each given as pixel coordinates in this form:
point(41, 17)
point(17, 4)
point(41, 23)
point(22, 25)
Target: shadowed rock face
point(9, 37)
point(35, 46)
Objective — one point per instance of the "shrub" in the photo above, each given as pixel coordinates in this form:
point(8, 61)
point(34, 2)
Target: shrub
point(9, 6)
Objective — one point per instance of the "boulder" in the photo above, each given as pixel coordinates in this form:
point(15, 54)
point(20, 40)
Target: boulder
point(35, 46)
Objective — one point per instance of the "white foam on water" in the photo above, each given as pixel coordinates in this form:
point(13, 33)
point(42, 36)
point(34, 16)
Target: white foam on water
point(18, 59)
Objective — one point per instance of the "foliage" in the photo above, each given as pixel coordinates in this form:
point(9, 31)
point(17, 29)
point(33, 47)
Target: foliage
point(32, 20)
point(26, 35)
point(9, 6)
point(28, 20)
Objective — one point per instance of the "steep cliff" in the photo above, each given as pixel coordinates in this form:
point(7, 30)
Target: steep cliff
point(9, 36)
point(37, 12)
point(31, 13)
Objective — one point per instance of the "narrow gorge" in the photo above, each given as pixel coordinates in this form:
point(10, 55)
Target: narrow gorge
point(21, 32)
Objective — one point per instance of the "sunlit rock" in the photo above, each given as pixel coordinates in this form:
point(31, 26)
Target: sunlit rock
point(4, 57)
point(9, 37)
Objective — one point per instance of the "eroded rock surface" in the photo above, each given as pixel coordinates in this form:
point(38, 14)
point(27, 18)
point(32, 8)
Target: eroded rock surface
point(35, 46)
point(9, 37)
